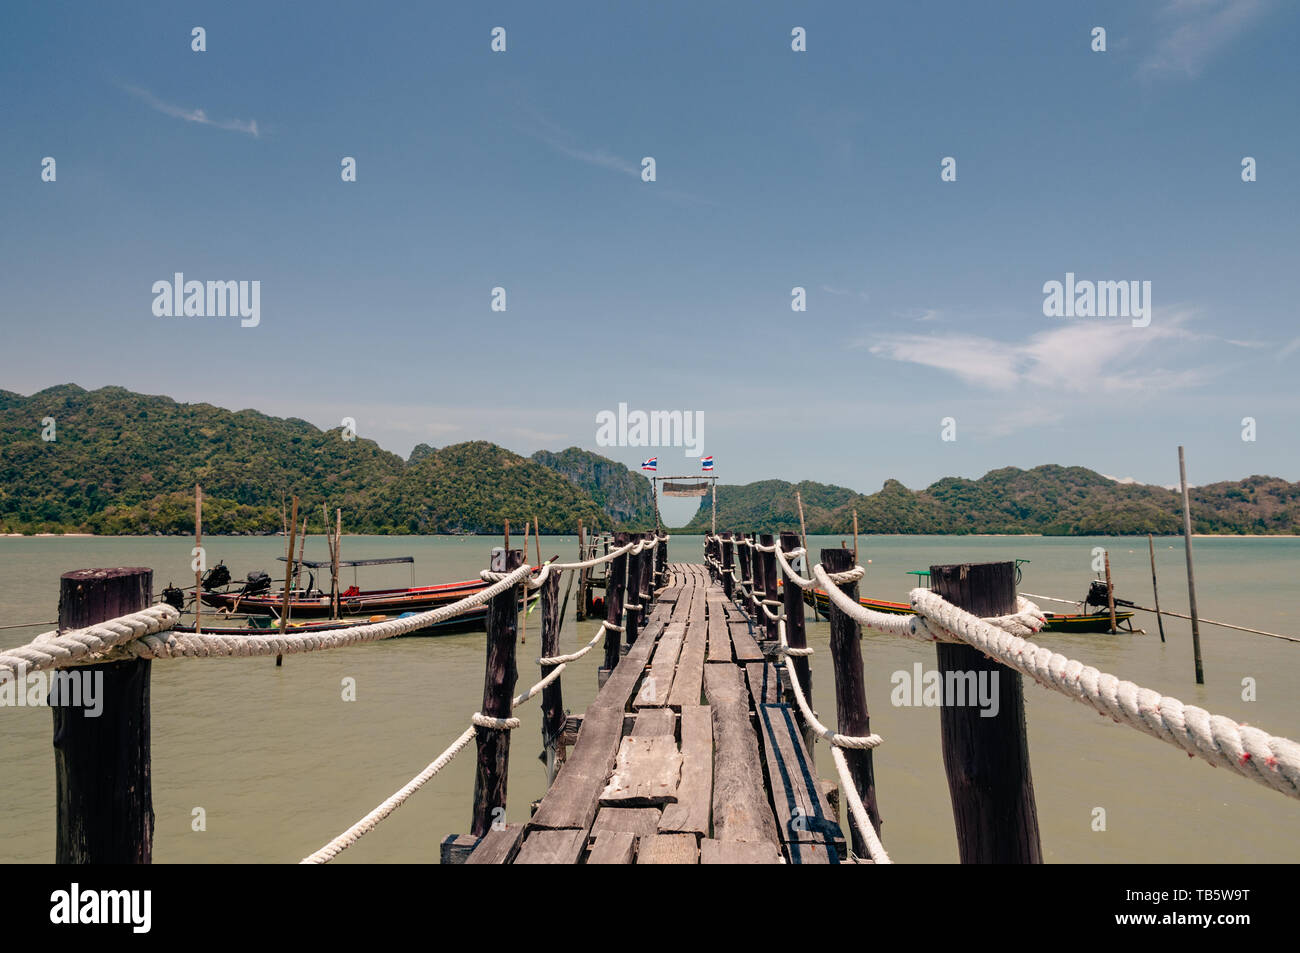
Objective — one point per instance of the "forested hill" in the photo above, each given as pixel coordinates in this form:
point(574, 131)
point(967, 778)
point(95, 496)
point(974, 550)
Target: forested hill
point(122, 462)
point(1052, 500)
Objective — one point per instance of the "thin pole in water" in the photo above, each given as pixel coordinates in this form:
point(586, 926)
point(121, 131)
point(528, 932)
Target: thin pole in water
point(1191, 577)
point(1160, 621)
point(198, 546)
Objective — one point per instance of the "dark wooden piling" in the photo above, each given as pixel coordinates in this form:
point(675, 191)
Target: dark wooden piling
point(498, 691)
point(582, 574)
point(1191, 575)
point(103, 789)
point(632, 622)
point(851, 713)
point(986, 758)
point(615, 578)
point(728, 578)
point(768, 563)
point(796, 634)
point(552, 694)
point(661, 548)
point(743, 555)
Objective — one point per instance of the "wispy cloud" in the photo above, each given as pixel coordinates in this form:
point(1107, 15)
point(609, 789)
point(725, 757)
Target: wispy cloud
point(563, 142)
point(248, 127)
point(1086, 357)
point(1194, 31)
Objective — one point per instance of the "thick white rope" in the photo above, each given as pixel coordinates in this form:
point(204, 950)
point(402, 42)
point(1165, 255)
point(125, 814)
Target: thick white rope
point(62, 649)
point(837, 741)
point(478, 719)
point(1250, 752)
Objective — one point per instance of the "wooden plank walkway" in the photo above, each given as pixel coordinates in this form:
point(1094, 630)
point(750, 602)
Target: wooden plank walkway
point(689, 754)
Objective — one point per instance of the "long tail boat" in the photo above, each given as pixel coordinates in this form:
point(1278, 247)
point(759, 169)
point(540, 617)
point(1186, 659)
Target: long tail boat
point(1056, 621)
point(256, 598)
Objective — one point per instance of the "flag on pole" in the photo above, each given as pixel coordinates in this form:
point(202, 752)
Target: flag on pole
point(651, 464)
point(706, 464)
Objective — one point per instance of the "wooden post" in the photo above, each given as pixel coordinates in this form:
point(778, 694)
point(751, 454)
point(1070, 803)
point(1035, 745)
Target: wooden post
point(986, 758)
point(583, 574)
point(768, 562)
point(1191, 578)
point(632, 623)
point(103, 789)
point(714, 521)
point(728, 578)
point(198, 574)
point(498, 691)
point(1155, 591)
point(796, 634)
point(338, 551)
point(552, 696)
point(851, 713)
point(614, 582)
point(743, 553)
point(288, 579)
point(1110, 592)
point(662, 549)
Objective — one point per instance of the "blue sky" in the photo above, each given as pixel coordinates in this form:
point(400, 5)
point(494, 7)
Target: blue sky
point(775, 169)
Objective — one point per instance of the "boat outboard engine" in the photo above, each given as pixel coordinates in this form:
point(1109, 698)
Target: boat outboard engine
point(258, 582)
point(216, 577)
point(174, 597)
point(1097, 596)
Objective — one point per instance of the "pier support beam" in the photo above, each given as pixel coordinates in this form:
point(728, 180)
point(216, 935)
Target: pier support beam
point(552, 694)
point(498, 691)
point(103, 788)
point(728, 578)
point(767, 562)
point(632, 624)
point(986, 759)
point(851, 713)
point(796, 634)
point(615, 577)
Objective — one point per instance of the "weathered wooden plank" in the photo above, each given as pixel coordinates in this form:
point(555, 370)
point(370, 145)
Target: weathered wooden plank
point(613, 847)
point(740, 808)
point(747, 649)
point(668, 849)
point(688, 683)
point(646, 771)
point(498, 845)
point(655, 721)
point(738, 852)
point(635, 820)
point(802, 812)
point(552, 847)
point(719, 638)
point(573, 797)
point(764, 683)
point(693, 808)
point(456, 848)
point(669, 593)
point(657, 685)
point(811, 853)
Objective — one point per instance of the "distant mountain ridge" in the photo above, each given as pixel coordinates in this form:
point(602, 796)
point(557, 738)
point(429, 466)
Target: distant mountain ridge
point(126, 463)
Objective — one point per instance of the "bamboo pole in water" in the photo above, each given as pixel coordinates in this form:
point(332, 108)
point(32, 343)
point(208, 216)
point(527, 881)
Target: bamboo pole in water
point(1110, 593)
point(198, 565)
point(1151, 547)
point(1191, 578)
point(288, 577)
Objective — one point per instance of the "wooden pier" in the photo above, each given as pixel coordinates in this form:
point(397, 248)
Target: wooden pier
point(697, 747)
point(688, 754)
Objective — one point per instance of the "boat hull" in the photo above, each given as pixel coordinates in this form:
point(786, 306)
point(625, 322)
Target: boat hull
point(1056, 622)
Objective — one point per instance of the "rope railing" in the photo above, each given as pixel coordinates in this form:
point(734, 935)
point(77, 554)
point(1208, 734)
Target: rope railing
point(1267, 759)
point(478, 720)
point(148, 635)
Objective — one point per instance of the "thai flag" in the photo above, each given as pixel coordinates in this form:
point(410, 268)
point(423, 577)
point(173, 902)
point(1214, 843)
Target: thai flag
point(706, 464)
point(651, 464)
